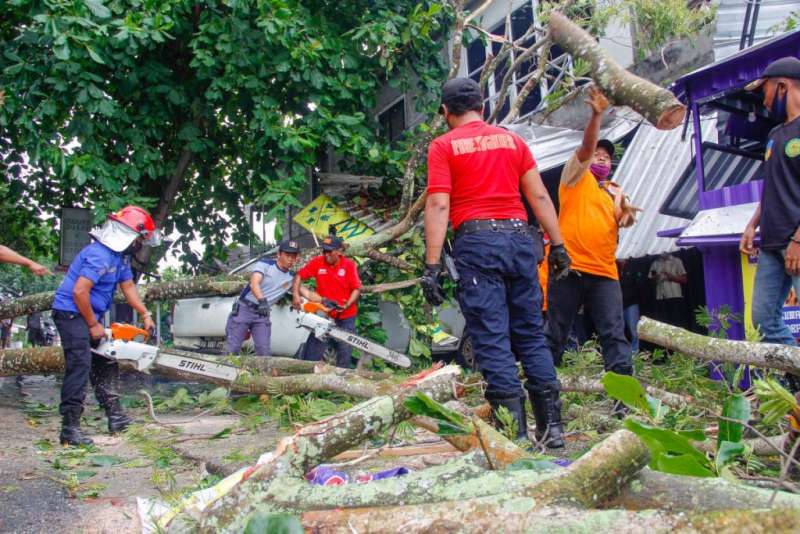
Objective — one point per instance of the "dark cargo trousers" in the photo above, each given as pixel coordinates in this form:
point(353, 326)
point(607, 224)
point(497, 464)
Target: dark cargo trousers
point(243, 321)
point(315, 348)
point(602, 300)
point(83, 366)
point(501, 300)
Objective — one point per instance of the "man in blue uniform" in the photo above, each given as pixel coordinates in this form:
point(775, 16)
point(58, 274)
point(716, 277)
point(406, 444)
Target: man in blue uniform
point(269, 281)
point(83, 297)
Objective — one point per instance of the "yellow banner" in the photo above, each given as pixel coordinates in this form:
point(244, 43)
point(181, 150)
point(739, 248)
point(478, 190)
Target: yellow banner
point(322, 212)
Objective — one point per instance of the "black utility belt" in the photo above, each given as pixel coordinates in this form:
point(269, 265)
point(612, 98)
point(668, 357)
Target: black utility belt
point(249, 304)
point(495, 225)
point(66, 315)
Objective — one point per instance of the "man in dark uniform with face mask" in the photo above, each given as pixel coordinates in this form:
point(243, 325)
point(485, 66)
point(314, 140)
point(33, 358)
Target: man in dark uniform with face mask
point(80, 302)
point(778, 214)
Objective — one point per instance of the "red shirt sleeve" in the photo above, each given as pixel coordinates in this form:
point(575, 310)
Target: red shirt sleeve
point(439, 179)
point(353, 279)
point(309, 270)
point(526, 161)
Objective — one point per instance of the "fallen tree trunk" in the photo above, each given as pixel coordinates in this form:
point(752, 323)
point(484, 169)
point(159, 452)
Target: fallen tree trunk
point(324, 439)
point(594, 478)
point(653, 489)
point(199, 286)
point(770, 355)
point(32, 361)
point(522, 515)
point(654, 103)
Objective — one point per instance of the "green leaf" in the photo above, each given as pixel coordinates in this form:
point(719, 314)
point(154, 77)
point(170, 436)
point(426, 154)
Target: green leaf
point(105, 460)
point(61, 52)
point(224, 433)
point(667, 440)
point(264, 523)
point(737, 407)
point(693, 435)
point(628, 390)
point(98, 9)
point(727, 452)
point(684, 464)
point(84, 474)
point(94, 55)
point(450, 422)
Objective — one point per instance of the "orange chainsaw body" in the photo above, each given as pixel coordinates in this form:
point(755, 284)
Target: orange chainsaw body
point(128, 332)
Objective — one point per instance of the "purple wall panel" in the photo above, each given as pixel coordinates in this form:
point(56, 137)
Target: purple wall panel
point(723, 280)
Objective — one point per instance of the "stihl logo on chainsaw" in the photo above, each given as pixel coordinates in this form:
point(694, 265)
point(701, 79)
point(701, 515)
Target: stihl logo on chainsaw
point(192, 366)
point(358, 342)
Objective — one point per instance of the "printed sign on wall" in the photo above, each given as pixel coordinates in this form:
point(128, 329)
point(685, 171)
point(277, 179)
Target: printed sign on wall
point(323, 212)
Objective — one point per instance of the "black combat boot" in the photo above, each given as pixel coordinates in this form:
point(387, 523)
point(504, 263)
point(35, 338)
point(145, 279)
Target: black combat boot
point(118, 420)
point(515, 404)
point(71, 430)
point(547, 411)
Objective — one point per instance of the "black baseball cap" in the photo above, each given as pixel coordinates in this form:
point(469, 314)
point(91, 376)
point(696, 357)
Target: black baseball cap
point(608, 146)
point(289, 245)
point(460, 88)
point(785, 67)
point(331, 242)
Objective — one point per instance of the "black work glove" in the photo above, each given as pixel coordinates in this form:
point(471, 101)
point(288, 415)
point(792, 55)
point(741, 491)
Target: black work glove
point(559, 262)
point(332, 305)
point(263, 307)
point(431, 283)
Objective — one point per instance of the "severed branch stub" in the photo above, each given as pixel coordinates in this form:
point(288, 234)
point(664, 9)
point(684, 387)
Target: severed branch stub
point(654, 103)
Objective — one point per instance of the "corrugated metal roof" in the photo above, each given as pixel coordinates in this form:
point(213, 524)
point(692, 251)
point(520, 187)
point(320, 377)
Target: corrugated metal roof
point(552, 146)
point(772, 15)
point(649, 169)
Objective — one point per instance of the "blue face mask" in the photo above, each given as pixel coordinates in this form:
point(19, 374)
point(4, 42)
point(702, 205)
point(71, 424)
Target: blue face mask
point(778, 109)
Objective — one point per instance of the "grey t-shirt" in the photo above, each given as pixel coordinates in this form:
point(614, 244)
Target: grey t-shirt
point(274, 282)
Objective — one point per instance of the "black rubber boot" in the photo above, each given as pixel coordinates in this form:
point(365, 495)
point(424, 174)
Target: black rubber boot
point(547, 412)
point(71, 431)
point(620, 411)
point(118, 420)
point(515, 404)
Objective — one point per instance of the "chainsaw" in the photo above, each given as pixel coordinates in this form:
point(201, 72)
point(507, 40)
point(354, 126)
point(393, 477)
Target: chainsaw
point(313, 317)
point(127, 345)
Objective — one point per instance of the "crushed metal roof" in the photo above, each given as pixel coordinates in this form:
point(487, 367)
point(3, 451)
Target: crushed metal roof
point(649, 169)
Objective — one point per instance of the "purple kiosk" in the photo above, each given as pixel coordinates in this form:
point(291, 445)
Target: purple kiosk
point(722, 185)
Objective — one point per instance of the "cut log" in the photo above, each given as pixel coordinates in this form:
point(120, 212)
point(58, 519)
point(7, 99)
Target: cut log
point(324, 439)
point(457, 480)
point(653, 489)
point(32, 361)
point(654, 103)
point(594, 478)
point(769, 355)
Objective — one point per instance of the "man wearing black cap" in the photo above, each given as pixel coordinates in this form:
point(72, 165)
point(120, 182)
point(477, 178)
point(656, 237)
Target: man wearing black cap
point(339, 286)
point(477, 175)
point(592, 209)
point(778, 214)
point(269, 281)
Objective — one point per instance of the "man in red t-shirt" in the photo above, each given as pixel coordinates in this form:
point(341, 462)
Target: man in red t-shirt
point(477, 175)
point(339, 285)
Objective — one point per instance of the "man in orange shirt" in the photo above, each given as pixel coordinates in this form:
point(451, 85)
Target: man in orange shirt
point(592, 209)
